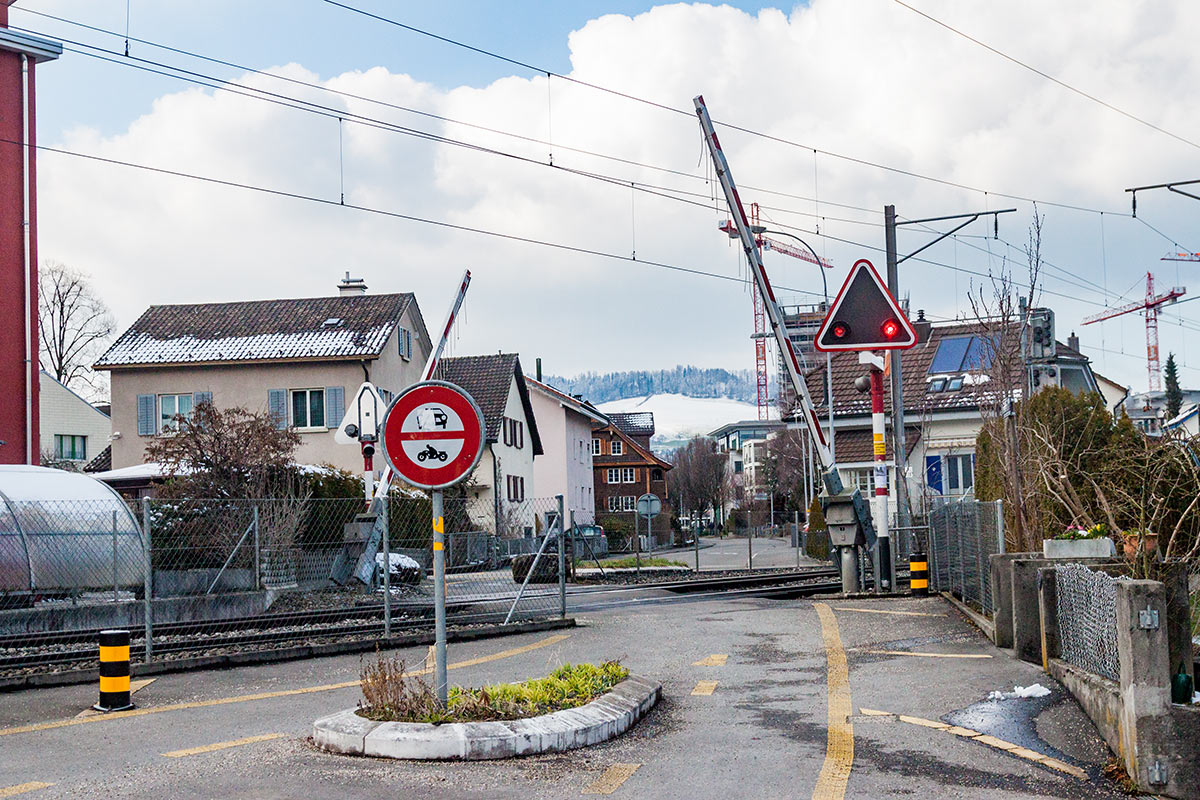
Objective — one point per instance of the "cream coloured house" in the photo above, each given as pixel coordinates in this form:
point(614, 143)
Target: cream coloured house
point(73, 430)
point(296, 359)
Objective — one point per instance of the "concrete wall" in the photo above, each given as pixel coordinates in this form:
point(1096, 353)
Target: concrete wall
point(67, 414)
point(246, 385)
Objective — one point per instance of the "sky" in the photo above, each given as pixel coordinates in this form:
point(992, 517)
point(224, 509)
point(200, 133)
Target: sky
point(584, 214)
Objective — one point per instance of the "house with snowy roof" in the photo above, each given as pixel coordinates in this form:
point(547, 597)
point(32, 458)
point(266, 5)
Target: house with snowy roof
point(296, 359)
point(501, 491)
point(565, 422)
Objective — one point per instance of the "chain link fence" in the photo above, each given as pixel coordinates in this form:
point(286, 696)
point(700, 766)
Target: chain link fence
point(193, 577)
point(963, 534)
point(1087, 619)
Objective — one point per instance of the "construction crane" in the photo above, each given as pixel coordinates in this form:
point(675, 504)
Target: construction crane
point(760, 315)
point(1181, 257)
point(1149, 307)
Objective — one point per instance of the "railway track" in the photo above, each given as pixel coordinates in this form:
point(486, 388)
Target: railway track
point(20, 652)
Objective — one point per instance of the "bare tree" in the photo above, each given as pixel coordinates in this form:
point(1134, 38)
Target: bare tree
point(1003, 314)
point(697, 476)
point(73, 326)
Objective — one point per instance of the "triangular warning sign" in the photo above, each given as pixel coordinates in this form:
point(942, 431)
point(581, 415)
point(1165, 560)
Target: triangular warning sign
point(865, 316)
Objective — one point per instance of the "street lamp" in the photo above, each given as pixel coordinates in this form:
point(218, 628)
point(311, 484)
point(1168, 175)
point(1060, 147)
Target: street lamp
point(758, 230)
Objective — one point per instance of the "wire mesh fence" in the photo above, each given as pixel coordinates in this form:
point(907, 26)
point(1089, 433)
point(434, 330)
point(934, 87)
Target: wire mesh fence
point(963, 534)
point(192, 576)
point(1087, 619)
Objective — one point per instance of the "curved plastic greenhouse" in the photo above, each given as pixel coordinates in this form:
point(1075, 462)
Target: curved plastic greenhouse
point(64, 533)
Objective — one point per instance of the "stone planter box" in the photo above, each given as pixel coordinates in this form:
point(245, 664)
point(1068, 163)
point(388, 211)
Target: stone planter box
point(1078, 548)
point(606, 717)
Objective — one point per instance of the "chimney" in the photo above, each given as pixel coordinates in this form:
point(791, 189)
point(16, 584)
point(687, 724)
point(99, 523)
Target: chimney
point(1073, 342)
point(922, 326)
point(539, 370)
point(348, 287)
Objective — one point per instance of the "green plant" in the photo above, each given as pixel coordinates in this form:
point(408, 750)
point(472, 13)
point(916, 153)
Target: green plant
point(629, 562)
point(1076, 532)
point(389, 694)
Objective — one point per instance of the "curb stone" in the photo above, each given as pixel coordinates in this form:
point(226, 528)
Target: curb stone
point(606, 717)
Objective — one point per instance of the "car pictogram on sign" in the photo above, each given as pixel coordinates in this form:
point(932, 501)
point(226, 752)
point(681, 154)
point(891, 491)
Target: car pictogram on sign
point(433, 435)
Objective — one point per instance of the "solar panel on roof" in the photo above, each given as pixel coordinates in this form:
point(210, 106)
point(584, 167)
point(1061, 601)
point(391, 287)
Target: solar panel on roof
point(950, 354)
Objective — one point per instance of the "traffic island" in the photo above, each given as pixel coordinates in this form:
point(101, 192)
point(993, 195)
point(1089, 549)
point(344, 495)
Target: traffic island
point(604, 718)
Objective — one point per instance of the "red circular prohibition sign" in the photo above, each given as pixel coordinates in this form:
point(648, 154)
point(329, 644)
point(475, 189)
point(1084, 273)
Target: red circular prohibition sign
point(433, 435)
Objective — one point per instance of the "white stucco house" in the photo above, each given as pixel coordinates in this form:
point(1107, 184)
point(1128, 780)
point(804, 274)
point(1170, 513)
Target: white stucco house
point(73, 430)
point(500, 493)
point(565, 424)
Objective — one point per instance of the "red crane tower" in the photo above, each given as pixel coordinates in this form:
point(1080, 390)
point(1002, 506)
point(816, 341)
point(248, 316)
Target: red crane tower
point(760, 314)
point(1149, 307)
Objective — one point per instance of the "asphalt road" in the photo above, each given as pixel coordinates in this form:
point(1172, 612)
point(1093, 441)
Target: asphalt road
point(763, 732)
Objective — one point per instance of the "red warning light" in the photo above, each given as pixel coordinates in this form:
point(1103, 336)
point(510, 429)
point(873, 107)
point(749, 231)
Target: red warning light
point(840, 330)
point(889, 329)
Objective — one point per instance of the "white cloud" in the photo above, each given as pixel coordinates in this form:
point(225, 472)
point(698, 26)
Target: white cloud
point(860, 77)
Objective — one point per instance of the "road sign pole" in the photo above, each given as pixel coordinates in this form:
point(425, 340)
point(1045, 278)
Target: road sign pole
point(903, 515)
point(439, 598)
point(637, 546)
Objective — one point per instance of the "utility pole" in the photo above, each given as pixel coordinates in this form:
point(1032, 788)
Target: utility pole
point(903, 510)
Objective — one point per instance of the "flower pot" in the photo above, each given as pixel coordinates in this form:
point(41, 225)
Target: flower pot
point(1132, 541)
point(1077, 548)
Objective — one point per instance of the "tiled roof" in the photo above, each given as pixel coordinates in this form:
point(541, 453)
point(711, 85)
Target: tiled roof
point(858, 445)
point(487, 380)
point(102, 462)
point(915, 365)
point(634, 423)
point(354, 326)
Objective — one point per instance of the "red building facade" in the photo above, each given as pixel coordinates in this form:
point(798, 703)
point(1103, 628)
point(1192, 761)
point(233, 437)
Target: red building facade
point(19, 55)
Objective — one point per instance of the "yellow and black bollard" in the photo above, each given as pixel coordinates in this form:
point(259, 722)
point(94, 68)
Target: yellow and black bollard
point(114, 671)
point(918, 574)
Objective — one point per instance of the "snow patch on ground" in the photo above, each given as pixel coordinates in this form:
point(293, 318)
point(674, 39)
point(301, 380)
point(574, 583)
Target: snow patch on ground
point(678, 417)
point(1036, 690)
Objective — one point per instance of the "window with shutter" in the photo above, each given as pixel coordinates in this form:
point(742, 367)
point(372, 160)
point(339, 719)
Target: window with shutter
point(146, 423)
point(335, 405)
point(277, 407)
point(617, 447)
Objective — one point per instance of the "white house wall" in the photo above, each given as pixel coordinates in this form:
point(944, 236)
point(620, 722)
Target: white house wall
point(65, 413)
point(565, 466)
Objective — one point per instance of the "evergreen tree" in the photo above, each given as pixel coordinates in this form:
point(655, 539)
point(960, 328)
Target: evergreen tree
point(1174, 393)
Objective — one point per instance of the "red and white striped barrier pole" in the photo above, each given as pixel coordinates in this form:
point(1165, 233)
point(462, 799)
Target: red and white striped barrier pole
point(884, 573)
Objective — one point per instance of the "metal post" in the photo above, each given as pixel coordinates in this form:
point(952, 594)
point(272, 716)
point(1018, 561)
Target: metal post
point(903, 517)
point(562, 562)
point(387, 566)
point(696, 542)
point(1000, 526)
point(148, 584)
point(114, 538)
point(749, 546)
point(257, 552)
point(882, 556)
point(637, 545)
point(849, 558)
point(439, 599)
point(799, 536)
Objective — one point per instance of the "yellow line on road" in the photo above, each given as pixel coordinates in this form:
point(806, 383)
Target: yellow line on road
point(22, 788)
point(715, 660)
point(839, 746)
point(611, 780)
point(925, 655)
point(208, 748)
point(880, 611)
point(245, 698)
point(704, 688)
point(133, 687)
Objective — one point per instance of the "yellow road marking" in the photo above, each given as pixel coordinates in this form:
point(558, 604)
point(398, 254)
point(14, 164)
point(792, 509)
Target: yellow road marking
point(871, 712)
point(967, 732)
point(924, 723)
point(839, 747)
point(611, 780)
point(715, 660)
point(880, 611)
point(992, 741)
point(704, 688)
point(924, 655)
point(245, 698)
point(1027, 754)
point(22, 788)
point(1054, 763)
point(208, 748)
